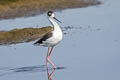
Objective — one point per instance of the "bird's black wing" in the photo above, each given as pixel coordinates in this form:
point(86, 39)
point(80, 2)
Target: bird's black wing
point(44, 38)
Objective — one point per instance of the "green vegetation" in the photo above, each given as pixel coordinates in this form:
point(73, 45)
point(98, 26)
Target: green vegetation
point(19, 8)
point(22, 35)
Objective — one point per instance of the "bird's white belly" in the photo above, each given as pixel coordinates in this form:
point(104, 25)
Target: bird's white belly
point(54, 40)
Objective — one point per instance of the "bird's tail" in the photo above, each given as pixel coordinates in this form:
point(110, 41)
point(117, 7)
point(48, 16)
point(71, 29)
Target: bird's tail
point(36, 44)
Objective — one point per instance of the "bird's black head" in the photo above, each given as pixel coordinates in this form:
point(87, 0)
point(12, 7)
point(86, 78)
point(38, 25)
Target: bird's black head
point(50, 13)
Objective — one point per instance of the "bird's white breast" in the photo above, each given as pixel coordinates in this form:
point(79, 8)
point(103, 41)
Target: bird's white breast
point(55, 39)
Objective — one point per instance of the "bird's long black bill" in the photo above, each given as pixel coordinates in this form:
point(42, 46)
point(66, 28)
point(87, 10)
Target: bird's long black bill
point(57, 19)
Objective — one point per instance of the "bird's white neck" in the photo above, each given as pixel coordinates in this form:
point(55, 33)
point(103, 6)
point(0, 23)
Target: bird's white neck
point(55, 25)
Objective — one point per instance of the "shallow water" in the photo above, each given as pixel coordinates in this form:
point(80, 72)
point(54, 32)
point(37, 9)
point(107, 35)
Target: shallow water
point(89, 51)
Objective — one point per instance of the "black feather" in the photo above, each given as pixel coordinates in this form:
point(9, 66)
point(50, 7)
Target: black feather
point(44, 38)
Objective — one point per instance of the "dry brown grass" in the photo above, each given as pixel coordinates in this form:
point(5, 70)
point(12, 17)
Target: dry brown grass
point(22, 35)
point(18, 8)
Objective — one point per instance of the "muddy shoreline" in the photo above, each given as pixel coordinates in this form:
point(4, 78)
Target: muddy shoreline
point(22, 35)
point(24, 8)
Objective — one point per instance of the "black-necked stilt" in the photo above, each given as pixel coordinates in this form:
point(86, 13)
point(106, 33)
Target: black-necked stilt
point(52, 38)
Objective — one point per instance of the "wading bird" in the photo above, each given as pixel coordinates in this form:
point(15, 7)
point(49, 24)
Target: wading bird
point(51, 38)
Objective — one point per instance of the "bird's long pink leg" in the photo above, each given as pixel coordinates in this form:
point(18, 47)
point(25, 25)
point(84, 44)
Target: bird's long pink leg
point(48, 56)
point(50, 74)
point(50, 51)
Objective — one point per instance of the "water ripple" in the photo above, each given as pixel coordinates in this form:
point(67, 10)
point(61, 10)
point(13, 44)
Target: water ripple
point(26, 69)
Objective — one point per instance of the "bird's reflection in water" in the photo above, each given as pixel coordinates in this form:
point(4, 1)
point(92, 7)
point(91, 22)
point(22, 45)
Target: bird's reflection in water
point(29, 69)
point(49, 74)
